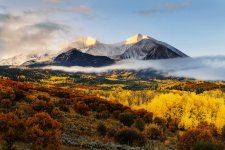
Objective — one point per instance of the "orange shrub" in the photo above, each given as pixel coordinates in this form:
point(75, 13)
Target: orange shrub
point(102, 107)
point(57, 114)
point(81, 108)
point(6, 103)
point(116, 114)
point(141, 112)
point(172, 125)
point(11, 129)
point(65, 101)
point(39, 105)
point(103, 115)
point(44, 98)
point(43, 131)
point(211, 127)
point(223, 132)
point(191, 137)
point(130, 136)
point(161, 122)
point(148, 117)
point(101, 129)
point(153, 132)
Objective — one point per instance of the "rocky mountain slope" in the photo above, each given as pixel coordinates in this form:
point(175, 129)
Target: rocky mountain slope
point(90, 52)
point(135, 47)
point(74, 57)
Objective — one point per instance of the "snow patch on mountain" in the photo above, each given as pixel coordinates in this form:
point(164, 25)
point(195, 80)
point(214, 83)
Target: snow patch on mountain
point(136, 38)
point(139, 46)
point(37, 56)
point(83, 44)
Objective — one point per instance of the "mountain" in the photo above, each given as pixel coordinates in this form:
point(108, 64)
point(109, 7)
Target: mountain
point(94, 47)
point(135, 47)
point(88, 51)
point(37, 56)
point(135, 39)
point(91, 46)
point(148, 48)
point(74, 57)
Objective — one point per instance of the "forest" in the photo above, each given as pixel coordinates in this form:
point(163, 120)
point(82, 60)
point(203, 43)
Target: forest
point(58, 111)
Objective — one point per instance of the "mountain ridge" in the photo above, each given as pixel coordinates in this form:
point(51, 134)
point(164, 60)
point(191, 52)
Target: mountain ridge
point(141, 47)
point(74, 57)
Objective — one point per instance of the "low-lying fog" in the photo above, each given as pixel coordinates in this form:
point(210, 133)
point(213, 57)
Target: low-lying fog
point(203, 68)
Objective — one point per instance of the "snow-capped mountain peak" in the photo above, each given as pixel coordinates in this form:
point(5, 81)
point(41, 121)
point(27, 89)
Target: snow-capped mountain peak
point(39, 56)
point(136, 38)
point(83, 44)
point(136, 47)
point(88, 41)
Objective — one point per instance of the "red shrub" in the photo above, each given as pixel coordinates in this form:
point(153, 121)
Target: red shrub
point(101, 129)
point(141, 112)
point(211, 127)
point(11, 128)
point(148, 117)
point(130, 136)
point(43, 131)
point(103, 115)
point(160, 121)
point(102, 107)
point(191, 137)
point(172, 125)
point(81, 108)
point(39, 105)
point(6, 103)
point(116, 114)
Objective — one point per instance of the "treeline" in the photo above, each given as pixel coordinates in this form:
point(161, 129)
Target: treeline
point(197, 87)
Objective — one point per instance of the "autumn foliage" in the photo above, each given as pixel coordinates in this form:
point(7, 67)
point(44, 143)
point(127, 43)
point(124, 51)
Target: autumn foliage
point(44, 131)
point(130, 136)
point(11, 129)
point(191, 137)
point(81, 108)
point(31, 113)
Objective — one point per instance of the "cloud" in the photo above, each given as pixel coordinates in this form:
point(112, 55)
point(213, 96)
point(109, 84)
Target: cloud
point(24, 33)
point(2, 7)
point(32, 29)
point(203, 68)
point(54, 1)
point(164, 7)
point(82, 10)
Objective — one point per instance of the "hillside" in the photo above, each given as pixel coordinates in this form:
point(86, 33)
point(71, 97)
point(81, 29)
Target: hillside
point(116, 110)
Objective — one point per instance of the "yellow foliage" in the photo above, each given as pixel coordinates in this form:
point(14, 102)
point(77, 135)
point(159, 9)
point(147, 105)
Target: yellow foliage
point(189, 109)
point(125, 97)
point(57, 80)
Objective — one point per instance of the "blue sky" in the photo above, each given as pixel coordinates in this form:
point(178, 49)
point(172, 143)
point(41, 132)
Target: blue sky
point(195, 27)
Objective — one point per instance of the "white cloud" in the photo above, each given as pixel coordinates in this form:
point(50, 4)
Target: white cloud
point(27, 32)
point(204, 68)
point(54, 1)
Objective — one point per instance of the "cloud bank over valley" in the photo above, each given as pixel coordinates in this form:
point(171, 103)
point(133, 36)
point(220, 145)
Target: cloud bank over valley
point(202, 68)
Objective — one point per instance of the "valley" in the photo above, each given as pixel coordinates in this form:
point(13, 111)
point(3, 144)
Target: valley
point(113, 110)
point(112, 75)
